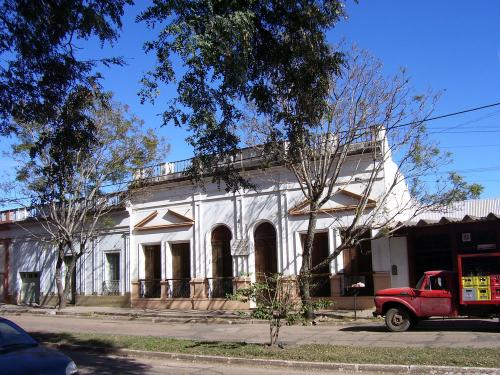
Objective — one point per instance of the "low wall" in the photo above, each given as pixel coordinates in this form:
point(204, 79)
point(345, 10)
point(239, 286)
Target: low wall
point(83, 300)
point(347, 303)
point(111, 301)
point(189, 304)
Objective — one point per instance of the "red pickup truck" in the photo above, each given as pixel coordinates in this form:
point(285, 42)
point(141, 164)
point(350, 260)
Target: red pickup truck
point(472, 291)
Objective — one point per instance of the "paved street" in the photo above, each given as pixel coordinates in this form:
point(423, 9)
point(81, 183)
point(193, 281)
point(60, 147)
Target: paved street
point(108, 364)
point(435, 333)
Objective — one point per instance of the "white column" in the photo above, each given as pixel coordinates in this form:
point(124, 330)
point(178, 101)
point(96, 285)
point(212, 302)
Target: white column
point(140, 262)
point(251, 255)
point(163, 251)
point(334, 241)
point(168, 261)
point(124, 266)
point(208, 251)
point(93, 265)
point(297, 252)
point(101, 269)
point(83, 272)
point(193, 270)
point(132, 251)
point(197, 248)
point(287, 257)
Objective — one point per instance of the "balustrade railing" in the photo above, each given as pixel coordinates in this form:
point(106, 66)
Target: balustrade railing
point(164, 169)
point(149, 288)
point(178, 288)
point(247, 155)
point(220, 287)
point(111, 287)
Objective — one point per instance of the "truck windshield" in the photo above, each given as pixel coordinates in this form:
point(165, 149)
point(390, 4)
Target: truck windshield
point(419, 284)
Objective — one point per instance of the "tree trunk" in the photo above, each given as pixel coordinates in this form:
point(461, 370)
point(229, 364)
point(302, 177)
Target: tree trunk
point(60, 289)
point(305, 272)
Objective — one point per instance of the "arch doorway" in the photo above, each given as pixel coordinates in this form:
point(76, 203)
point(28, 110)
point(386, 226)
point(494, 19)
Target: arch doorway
point(265, 250)
point(222, 263)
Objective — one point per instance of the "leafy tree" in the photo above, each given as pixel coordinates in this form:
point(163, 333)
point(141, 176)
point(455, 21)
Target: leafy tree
point(42, 72)
point(261, 52)
point(73, 190)
point(314, 103)
point(373, 132)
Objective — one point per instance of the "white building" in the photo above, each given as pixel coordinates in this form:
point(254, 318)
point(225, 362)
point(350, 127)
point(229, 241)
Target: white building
point(179, 246)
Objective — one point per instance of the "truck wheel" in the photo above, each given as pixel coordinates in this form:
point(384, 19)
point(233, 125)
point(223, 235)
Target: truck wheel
point(397, 319)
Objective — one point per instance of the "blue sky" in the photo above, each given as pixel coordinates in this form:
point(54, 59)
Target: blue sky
point(448, 46)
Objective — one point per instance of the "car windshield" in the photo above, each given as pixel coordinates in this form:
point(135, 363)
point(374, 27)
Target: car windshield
point(11, 337)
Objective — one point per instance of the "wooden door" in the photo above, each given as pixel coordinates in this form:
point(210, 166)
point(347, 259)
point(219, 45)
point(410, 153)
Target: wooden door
point(265, 250)
point(152, 263)
point(181, 261)
point(222, 261)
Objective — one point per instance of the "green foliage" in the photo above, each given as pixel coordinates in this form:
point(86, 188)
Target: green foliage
point(276, 302)
point(41, 74)
point(460, 190)
point(55, 169)
point(237, 53)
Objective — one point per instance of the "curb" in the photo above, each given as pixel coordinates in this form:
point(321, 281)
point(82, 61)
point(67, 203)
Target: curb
point(351, 367)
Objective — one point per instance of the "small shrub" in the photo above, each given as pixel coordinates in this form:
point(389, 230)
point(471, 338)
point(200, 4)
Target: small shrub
point(276, 302)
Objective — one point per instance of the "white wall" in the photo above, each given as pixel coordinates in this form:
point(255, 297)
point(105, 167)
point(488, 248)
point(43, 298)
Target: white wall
point(389, 252)
point(276, 192)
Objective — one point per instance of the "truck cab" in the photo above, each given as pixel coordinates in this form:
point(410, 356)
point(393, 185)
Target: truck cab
point(436, 294)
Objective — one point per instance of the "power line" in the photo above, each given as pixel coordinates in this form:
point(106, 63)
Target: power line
point(463, 124)
point(449, 114)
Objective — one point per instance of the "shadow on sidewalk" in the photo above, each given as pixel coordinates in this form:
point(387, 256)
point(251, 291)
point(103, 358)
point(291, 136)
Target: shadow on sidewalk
point(431, 325)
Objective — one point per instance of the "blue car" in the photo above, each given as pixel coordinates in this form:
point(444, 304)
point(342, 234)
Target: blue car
point(20, 354)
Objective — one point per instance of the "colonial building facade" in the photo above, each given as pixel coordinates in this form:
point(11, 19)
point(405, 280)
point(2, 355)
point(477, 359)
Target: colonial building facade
point(176, 245)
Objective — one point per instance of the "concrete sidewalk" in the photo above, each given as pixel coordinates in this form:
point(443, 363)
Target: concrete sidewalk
point(188, 316)
point(431, 333)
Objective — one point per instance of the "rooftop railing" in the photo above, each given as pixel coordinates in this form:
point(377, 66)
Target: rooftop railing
point(23, 213)
point(249, 156)
point(16, 214)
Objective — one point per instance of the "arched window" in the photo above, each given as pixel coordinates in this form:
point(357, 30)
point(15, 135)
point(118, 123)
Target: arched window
point(265, 250)
point(222, 262)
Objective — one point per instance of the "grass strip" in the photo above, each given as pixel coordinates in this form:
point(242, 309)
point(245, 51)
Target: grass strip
point(468, 357)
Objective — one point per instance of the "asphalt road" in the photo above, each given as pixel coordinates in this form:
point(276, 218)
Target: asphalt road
point(435, 333)
point(108, 364)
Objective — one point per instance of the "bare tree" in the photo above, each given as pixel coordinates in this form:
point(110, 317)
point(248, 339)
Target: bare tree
point(73, 189)
point(276, 302)
point(373, 135)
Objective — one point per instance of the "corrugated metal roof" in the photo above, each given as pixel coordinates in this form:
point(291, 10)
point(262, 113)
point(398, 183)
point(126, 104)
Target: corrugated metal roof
point(474, 209)
point(464, 211)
